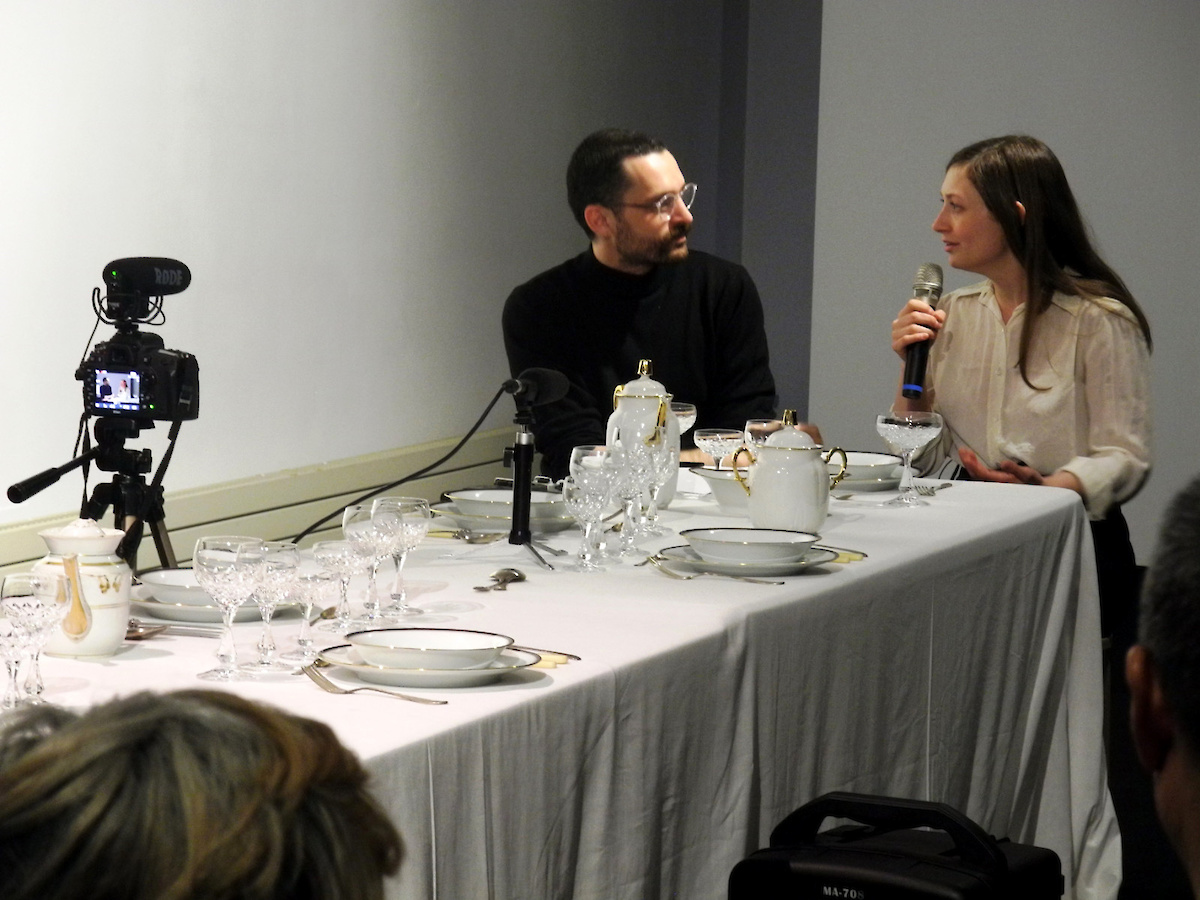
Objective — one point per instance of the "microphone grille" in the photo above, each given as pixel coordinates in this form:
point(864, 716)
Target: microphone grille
point(930, 274)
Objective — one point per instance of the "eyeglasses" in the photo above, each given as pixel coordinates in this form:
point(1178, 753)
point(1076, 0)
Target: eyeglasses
point(665, 205)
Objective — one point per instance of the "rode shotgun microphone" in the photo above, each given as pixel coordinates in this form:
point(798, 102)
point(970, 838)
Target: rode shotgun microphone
point(151, 276)
point(927, 286)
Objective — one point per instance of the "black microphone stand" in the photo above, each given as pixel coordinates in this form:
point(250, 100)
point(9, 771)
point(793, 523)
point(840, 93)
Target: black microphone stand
point(522, 466)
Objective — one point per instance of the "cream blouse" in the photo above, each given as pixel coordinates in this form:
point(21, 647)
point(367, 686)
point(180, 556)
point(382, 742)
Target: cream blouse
point(1093, 419)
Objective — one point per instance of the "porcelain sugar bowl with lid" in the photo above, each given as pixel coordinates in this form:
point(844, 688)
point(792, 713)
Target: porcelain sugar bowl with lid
point(100, 583)
point(788, 483)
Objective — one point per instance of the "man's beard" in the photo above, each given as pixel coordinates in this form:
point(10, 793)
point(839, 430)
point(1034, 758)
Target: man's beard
point(639, 251)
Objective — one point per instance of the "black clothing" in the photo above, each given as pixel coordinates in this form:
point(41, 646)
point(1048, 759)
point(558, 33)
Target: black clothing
point(700, 321)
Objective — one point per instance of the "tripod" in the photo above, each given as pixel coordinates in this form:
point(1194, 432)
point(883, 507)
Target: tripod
point(134, 502)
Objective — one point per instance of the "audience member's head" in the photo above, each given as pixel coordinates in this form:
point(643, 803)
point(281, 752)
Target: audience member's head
point(596, 173)
point(1163, 672)
point(195, 794)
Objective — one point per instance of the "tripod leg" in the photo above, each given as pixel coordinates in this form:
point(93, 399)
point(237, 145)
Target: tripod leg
point(162, 543)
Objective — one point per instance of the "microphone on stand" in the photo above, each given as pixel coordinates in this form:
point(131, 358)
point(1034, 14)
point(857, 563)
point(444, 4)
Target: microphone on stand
point(927, 286)
point(533, 387)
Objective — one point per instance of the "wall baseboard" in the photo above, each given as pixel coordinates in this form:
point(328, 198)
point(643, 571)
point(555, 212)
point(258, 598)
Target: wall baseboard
point(279, 506)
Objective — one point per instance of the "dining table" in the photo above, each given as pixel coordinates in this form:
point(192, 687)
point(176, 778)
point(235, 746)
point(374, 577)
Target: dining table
point(954, 657)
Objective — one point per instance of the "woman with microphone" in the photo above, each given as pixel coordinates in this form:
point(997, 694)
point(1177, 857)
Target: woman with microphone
point(1041, 372)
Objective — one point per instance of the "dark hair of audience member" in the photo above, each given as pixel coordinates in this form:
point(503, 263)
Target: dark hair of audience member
point(595, 173)
point(194, 794)
point(1170, 612)
point(1051, 240)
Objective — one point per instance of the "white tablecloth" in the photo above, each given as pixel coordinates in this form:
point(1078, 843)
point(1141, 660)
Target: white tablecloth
point(960, 662)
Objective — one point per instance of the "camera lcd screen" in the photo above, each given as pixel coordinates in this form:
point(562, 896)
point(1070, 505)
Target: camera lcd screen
point(118, 391)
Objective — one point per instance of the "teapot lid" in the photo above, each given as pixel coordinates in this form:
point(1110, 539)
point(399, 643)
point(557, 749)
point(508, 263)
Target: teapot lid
point(642, 387)
point(790, 436)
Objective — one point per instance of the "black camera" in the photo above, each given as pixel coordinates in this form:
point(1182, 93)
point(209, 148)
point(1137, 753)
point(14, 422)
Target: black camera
point(132, 374)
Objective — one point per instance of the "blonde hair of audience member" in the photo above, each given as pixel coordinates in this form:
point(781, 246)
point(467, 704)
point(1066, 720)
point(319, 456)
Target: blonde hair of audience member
point(194, 794)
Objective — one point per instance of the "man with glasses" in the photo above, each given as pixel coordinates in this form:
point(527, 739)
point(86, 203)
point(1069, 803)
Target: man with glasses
point(638, 292)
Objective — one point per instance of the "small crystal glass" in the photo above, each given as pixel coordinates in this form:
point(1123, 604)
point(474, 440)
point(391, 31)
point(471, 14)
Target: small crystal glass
point(406, 522)
point(230, 569)
point(313, 590)
point(633, 468)
point(665, 461)
point(373, 535)
point(36, 603)
point(344, 561)
point(13, 642)
point(587, 498)
point(279, 574)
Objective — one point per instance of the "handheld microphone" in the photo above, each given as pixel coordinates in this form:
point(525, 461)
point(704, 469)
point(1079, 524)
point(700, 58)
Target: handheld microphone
point(927, 286)
point(536, 386)
point(150, 276)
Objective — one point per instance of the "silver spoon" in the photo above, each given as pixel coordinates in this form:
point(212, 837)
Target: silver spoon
point(140, 631)
point(501, 578)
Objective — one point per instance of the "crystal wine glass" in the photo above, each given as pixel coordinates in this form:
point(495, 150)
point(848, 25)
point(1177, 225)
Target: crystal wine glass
point(281, 567)
point(36, 603)
point(344, 561)
point(906, 433)
point(313, 588)
point(230, 569)
point(718, 442)
point(406, 520)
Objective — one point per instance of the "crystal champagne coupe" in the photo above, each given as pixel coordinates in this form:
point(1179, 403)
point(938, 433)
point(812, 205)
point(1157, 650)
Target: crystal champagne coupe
point(906, 433)
point(230, 569)
point(718, 442)
point(685, 414)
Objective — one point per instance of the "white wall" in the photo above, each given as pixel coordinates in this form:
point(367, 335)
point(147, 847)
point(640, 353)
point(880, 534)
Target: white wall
point(1112, 86)
point(356, 186)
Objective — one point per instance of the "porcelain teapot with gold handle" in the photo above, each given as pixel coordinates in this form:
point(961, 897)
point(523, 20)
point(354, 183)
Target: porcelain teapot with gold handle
point(788, 480)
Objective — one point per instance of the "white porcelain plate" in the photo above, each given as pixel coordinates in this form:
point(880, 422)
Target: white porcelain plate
point(346, 657)
point(145, 604)
point(687, 558)
point(481, 524)
point(859, 485)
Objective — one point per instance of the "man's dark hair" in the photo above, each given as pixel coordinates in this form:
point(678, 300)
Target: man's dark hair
point(595, 173)
point(1170, 613)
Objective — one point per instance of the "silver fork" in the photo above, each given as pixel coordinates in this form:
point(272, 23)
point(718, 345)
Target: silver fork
point(326, 685)
point(658, 564)
point(928, 490)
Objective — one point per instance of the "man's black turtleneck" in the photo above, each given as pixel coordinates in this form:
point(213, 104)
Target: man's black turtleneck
point(700, 321)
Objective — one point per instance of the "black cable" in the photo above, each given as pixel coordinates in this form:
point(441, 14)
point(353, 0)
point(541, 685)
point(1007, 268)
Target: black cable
point(417, 474)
